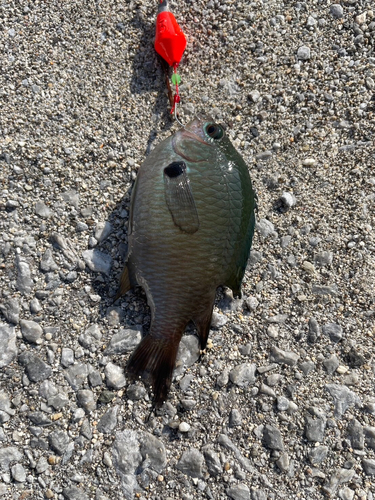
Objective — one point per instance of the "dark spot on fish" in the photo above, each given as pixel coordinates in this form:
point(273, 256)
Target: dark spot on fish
point(175, 169)
point(214, 131)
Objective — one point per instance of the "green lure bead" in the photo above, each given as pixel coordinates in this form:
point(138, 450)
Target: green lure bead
point(176, 79)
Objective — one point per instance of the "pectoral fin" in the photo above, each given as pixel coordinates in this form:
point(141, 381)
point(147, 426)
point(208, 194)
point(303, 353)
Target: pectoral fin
point(179, 197)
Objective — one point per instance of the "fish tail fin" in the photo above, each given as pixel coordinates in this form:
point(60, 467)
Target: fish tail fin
point(155, 358)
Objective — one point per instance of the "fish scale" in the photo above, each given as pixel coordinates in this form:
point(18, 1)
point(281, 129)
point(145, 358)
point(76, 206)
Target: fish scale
point(190, 231)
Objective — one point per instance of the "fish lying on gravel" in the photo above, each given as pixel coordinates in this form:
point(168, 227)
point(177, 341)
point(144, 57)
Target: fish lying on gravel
point(190, 230)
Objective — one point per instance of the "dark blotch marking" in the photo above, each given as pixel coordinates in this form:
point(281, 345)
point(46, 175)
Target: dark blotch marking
point(175, 169)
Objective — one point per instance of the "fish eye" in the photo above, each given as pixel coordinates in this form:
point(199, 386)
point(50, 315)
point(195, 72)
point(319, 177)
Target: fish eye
point(214, 131)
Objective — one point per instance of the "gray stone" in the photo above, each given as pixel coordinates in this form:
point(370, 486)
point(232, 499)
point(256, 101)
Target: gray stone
point(283, 462)
point(86, 430)
point(126, 452)
point(235, 418)
point(243, 375)
point(331, 364)
point(336, 10)
point(74, 493)
point(108, 422)
point(370, 437)
point(41, 465)
point(58, 441)
point(40, 418)
point(24, 282)
point(67, 357)
point(334, 331)
point(95, 378)
point(86, 400)
point(318, 454)
point(8, 349)
point(35, 306)
point(218, 320)
point(135, 392)
point(7, 455)
point(303, 53)
point(58, 401)
point(42, 210)
point(18, 473)
point(356, 434)
point(307, 367)
point(97, 261)
point(76, 375)
point(257, 494)
point(272, 438)
point(36, 369)
point(277, 319)
point(311, 22)
point(368, 465)
point(283, 357)
point(223, 440)
point(323, 259)
point(212, 459)
point(343, 398)
point(91, 338)
point(31, 331)
point(11, 310)
point(153, 452)
point(314, 429)
point(103, 230)
point(252, 303)
point(287, 200)
point(114, 375)
point(254, 258)
point(47, 263)
point(314, 330)
point(266, 228)
point(324, 290)
point(188, 353)
point(72, 197)
point(285, 241)
point(191, 463)
point(338, 477)
point(282, 403)
point(239, 492)
point(263, 156)
point(124, 341)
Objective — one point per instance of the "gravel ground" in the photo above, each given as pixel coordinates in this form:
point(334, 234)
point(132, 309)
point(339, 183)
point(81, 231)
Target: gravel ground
point(282, 405)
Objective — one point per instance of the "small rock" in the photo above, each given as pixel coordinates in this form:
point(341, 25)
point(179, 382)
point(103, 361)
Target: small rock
point(191, 463)
point(124, 341)
point(338, 477)
point(97, 261)
point(74, 493)
point(8, 348)
point(264, 156)
point(356, 434)
point(283, 462)
point(108, 422)
point(218, 320)
point(58, 401)
point(343, 398)
point(334, 331)
point(283, 357)
point(336, 11)
point(91, 338)
point(115, 378)
point(314, 429)
point(86, 400)
point(309, 162)
point(314, 330)
point(212, 461)
point(282, 403)
point(184, 427)
point(102, 231)
point(58, 441)
point(8, 455)
point(331, 364)
point(311, 22)
point(153, 452)
point(42, 210)
point(35, 368)
point(35, 306)
point(11, 310)
point(76, 375)
point(67, 357)
point(31, 331)
point(323, 290)
point(47, 263)
point(368, 465)
point(355, 359)
point(126, 452)
point(235, 418)
point(72, 197)
point(254, 95)
point(24, 282)
point(266, 228)
point(323, 259)
point(287, 200)
point(318, 454)
point(243, 374)
point(18, 473)
point(95, 378)
point(272, 438)
point(188, 353)
point(346, 493)
point(135, 392)
point(40, 419)
point(303, 53)
point(370, 437)
point(239, 492)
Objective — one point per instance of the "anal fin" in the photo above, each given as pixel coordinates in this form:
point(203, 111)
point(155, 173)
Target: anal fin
point(125, 284)
point(203, 322)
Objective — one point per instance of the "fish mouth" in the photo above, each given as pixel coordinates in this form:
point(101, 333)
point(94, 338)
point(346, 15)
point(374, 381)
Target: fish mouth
point(179, 143)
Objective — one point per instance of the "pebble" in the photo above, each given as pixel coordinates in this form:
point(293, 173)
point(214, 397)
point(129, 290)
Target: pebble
point(153, 452)
point(124, 341)
point(282, 403)
point(323, 259)
point(42, 210)
point(103, 230)
point(272, 438)
point(31, 331)
point(218, 320)
point(356, 434)
point(36, 369)
point(254, 95)
point(283, 462)
point(126, 453)
point(114, 375)
point(67, 357)
point(343, 398)
point(235, 418)
point(212, 459)
point(184, 427)
point(11, 310)
point(97, 261)
point(338, 477)
point(90, 338)
point(191, 463)
point(24, 282)
point(334, 331)
point(336, 10)
point(243, 375)
point(239, 492)
point(318, 454)
point(303, 53)
point(71, 196)
point(108, 421)
point(95, 378)
point(283, 357)
point(74, 493)
point(309, 162)
point(314, 429)
point(76, 375)
point(18, 473)
point(86, 399)
point(40, 419)
point(265, 228)
point(331, 364)
point(8, 348)
point(188, 353)
point(58, 441)
point(288, 200)
point(314, 330)
point(368, 465)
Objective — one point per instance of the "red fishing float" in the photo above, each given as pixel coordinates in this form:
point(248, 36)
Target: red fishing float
point(170, 43)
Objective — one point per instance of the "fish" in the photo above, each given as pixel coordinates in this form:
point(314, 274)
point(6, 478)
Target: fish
point(191, 224)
